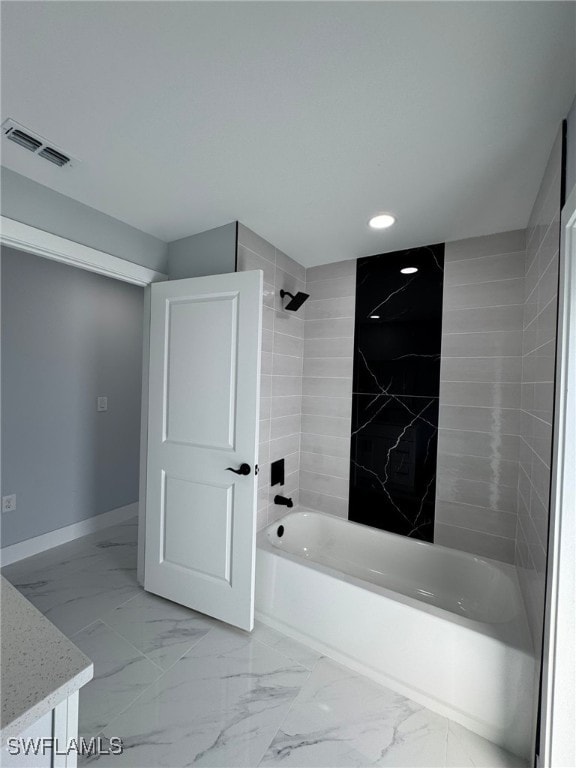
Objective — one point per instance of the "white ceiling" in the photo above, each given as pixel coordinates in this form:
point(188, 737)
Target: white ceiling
point(300, 119)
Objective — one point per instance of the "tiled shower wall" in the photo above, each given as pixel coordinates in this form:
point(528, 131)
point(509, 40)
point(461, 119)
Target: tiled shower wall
point(327, 387)
point(395, 397)
point(481, 366)
point(538, 368)
point(281, 382)
point(307, 367)
point(479, 393)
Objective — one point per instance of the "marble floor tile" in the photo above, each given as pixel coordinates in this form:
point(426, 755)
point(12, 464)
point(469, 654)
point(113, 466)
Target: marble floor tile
point(456, 754)
point(342, 719)
point(119, 558)
point(126, 532)
point(121, 674)
point(74, 594)
point(76, 583)
point(162, 630)
point(303, 654)
point(73, 552)
point(465, 748)
point(220, 705)
point(118, 545)
point(180, 688)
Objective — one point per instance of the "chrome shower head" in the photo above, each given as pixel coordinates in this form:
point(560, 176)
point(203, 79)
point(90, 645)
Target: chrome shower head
point(296, 301)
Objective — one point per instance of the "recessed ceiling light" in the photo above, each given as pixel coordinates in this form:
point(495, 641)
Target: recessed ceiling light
point(374, 317)
point(381, 221)
point(409, 270)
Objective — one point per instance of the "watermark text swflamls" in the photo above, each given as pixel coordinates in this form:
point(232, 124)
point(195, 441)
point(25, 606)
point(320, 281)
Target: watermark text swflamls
point(49, 745)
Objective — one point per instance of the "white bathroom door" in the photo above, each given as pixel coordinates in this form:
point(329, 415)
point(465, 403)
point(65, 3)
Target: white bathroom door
point(203, 410)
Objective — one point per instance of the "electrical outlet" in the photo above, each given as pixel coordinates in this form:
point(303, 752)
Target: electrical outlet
point(9, 503)
point(102, 404)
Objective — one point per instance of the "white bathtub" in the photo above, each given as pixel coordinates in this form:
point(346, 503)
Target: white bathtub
point(442, 627)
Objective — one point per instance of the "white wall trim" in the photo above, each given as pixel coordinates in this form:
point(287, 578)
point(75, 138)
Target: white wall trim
point(23, 237)
point(144, 437)
point(559, 666)
point(15, 552)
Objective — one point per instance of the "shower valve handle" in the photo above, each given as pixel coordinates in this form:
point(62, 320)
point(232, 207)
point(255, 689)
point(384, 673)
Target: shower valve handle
point(243, 469)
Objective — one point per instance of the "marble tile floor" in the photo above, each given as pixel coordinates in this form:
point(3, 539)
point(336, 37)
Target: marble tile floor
point(182, 689)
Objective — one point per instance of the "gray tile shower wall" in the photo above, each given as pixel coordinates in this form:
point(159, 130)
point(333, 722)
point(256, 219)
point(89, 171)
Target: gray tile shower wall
point(327, 387)
point(281, 383)
point(495, 394)
point(481, 369)
point(480, 392)
point(538, 369)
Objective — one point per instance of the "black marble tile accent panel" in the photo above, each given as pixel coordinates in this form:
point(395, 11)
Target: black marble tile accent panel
point(396, 388)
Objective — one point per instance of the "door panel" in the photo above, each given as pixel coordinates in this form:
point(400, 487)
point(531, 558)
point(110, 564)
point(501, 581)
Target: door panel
point(204, 375)
point(209, 419)
point(204, 538)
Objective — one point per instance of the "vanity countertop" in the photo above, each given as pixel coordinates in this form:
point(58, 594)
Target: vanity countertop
point(40, 667)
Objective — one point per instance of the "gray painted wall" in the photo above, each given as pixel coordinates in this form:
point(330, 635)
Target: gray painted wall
point(67, 336)
point(30, 203)
point(208, 253)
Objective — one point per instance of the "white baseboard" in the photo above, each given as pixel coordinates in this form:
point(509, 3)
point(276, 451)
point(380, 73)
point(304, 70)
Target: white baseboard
point(14, 552)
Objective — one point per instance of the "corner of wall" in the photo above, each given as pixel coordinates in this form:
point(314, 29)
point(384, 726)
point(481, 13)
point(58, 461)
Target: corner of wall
point(538, 374)
point(327, 387)
point(281, 375)
point(212, 252)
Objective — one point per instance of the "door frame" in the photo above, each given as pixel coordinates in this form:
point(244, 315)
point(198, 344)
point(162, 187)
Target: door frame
point(559, 669)
point(23, 237)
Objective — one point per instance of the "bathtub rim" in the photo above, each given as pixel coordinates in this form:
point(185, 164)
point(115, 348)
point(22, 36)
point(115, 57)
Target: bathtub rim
point(514, 632)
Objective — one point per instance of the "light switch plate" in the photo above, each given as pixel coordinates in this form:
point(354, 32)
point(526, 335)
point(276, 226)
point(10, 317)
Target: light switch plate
point(102, 404)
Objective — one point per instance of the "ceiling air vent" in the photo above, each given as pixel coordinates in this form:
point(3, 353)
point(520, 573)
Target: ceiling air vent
point(54, 156)
point(35, 143)
point(26, 141)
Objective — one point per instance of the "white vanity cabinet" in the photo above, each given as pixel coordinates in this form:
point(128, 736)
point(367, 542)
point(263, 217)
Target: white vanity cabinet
point(41, 672)
point(58, 726)
point(35, 758)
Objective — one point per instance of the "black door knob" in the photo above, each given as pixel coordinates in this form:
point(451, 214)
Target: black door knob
point(243, 469)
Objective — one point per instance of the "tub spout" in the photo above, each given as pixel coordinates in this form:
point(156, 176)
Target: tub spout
point(283, 501)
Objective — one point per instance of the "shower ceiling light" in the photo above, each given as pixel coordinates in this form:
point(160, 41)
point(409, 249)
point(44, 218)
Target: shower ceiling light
point(381, 221)
point(409, 270)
